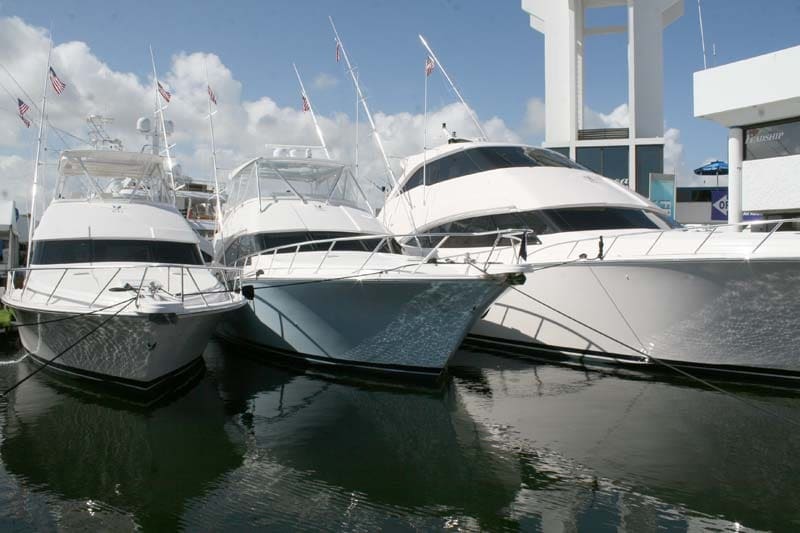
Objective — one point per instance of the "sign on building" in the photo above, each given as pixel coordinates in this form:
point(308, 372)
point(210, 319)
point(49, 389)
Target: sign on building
point(719, 205)
point(662, 192)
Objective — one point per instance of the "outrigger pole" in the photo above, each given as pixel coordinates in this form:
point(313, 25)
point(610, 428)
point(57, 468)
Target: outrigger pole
point(307, 101)
point(160, 111)
point(375, 133)
point(483, 137)
point(42, 134)
point(214, 162)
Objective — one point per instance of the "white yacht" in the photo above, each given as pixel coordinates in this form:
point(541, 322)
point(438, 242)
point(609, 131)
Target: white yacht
point(331, 287)
point(616, 278)
point(116, 289)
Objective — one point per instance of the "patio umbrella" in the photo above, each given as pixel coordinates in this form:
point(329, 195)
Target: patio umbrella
point(715, 168)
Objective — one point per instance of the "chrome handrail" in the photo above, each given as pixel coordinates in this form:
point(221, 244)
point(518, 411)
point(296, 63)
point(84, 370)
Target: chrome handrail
point(382, 238)
point(11, 290)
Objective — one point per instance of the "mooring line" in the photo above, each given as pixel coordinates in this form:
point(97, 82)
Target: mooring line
point(68, 348)
point(657, 360)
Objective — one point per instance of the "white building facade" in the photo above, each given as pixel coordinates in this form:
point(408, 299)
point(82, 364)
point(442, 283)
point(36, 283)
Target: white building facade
point(758, 99)
point(628, 154)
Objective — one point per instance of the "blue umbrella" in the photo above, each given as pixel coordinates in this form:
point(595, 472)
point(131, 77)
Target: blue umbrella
point(715, 168)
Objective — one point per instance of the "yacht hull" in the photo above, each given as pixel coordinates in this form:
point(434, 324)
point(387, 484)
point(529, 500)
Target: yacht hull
point(402, 326)
point(733, 315)
point(138, 352)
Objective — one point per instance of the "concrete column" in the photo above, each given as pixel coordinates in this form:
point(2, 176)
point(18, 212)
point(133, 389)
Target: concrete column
point(735, 156)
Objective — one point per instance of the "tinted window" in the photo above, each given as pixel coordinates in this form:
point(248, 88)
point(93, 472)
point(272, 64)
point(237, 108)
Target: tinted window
point(264, 241)
point(111, 250)
point(772, 140)
point(545, 221)
point(487, 158)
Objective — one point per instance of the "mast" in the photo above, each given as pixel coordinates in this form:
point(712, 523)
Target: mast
point(214, 164)
point(160, 111)
point(42, 133)
point(455, 89)
point(313, 115)
point(355, 155)
point(375, 133)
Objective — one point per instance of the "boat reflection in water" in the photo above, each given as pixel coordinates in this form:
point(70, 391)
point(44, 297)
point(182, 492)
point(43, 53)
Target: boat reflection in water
point(88, 465)
point(507, 445)
point(673, 442)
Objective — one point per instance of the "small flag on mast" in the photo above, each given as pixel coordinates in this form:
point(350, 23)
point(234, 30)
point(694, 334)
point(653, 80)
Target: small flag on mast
point(163, 92)
point(58, 85)
point(211, 95)
point(338, 51)
point(306, 105)
point(430, 64)
point(23, 108)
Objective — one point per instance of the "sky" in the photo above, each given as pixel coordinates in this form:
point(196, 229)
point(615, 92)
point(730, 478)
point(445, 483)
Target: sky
point(488, 47)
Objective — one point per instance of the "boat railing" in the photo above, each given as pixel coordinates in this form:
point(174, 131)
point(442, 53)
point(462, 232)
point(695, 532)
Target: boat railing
point(156, 281)
point(514, 238)
point(710, 231)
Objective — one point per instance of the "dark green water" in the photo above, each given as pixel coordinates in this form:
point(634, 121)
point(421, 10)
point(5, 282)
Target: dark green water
point(505, 445)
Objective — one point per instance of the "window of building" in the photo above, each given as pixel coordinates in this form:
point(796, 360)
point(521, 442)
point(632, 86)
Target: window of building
point(776, 139)
point(69, 251)
point(608, 161)
point(649, 159)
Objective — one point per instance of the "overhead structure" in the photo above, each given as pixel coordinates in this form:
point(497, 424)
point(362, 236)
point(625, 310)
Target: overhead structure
point(630, 153)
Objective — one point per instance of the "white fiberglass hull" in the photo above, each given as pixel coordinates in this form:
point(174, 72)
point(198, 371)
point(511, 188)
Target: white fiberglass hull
point(403, 325)
point(730, 314)
point(139, 352)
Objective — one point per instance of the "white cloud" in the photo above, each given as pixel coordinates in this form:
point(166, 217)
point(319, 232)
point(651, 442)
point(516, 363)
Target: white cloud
point(325, 81)
point(242, 127)
point(618, 118)
point(534, 120)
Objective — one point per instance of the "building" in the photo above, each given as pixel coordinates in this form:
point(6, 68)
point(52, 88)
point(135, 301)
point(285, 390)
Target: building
point(628, 154)
point(9, 238)
point(758, 99)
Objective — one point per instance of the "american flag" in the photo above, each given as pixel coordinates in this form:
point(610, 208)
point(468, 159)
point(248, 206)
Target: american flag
point(211, 95)
point(25, 121)
point(163, 92)
point(58, 85)
point(306, 105)
point(430, 64)
point(22, 106)
point(338, 51)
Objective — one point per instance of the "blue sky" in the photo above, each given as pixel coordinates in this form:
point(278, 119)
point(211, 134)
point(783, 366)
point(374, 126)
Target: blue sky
point(488, 46)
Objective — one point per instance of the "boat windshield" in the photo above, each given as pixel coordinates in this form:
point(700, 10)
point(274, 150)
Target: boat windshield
point(96, 174)
point(485, 158)
point(548, 221)
point(303, 179)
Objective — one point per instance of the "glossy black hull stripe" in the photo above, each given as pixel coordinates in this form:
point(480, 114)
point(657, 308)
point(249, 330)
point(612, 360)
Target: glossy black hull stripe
point(562, 352)
point(547, 348)
point(129, 384)
point(332, 362)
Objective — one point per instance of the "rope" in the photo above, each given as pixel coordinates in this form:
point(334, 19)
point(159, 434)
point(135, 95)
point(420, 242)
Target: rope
point(69, 317)
point(657, 360)
point(68, 348)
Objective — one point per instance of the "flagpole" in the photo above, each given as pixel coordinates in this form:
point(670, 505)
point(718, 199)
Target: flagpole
point(42, 132)
point(214, 165)
point(160, 111)
point(355, 155)
point(425, 134)
point(375, 133)
point(313, 115)
point(455, 89)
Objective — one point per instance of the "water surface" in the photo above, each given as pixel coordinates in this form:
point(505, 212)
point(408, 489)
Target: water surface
point(506, 444)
